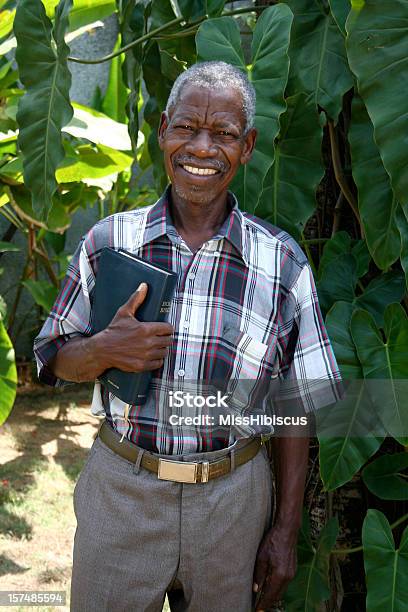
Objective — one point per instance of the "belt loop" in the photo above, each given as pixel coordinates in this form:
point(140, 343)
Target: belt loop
point(136, 467)
point(232, 459)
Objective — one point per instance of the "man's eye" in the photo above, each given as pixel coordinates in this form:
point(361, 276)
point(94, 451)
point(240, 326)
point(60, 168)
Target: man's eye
point(184, 127)
point(224, 133)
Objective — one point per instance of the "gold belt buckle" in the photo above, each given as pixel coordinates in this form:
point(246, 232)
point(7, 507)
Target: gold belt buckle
point(181, 471)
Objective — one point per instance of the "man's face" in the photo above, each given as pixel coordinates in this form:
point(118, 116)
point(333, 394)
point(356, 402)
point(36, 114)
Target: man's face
point(203, 142)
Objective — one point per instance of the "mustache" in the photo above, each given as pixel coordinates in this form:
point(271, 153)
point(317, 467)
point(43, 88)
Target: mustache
point(214, 164)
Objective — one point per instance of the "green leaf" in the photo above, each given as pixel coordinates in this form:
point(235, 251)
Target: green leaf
point(44, 293)
point(192, 9)
point(42, 58)
point(338, 281)
point(91, 164)
point(8, 246)
point(318, 62)
point(385, 360)
point(376, 48)
point(6, 22)
point(219, 39)
point(98, 128)
point(83, 12)
point(3, 306)
point(376, 200)
point(363, 257)
point(340, 10)
point(85, 15)
point(402, 223)
point(337, 245)
point(383, 290)
point(310, 585)
point(337, 322)
point(386, 567)
point(343, 455)
point(290, 184)
point(383, 478)
point(8, 375)
point(8, 142)
point(115, 100)
point(59, 218)
point(132, 25)
point(340, 244)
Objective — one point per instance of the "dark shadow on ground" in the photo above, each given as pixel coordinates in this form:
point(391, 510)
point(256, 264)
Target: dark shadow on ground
point(8, 566)
point(31, 430)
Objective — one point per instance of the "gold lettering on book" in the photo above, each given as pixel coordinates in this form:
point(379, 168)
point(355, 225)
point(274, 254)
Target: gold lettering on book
point(165, 307)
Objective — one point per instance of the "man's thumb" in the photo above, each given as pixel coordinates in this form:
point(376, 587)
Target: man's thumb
point(137, 298)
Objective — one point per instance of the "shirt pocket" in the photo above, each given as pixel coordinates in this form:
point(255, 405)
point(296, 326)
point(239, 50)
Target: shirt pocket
point(247, 354)
point(241, 367)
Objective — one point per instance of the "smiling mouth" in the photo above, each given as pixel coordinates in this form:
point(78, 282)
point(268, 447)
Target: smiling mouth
point(199, 171)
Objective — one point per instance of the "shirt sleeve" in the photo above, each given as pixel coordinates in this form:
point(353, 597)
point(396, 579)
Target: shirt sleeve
point(308, 375)
point(70, 315)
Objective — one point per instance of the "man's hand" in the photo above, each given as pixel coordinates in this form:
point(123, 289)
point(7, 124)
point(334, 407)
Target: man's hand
point(126, 344)
point(275, 566)
point(133, 346)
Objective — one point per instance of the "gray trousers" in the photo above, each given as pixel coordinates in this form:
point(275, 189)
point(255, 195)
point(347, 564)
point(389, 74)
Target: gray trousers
point(139, 537)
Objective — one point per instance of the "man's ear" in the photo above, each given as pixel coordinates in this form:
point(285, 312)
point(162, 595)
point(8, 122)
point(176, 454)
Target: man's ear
point(162, 129)
point(249, 146)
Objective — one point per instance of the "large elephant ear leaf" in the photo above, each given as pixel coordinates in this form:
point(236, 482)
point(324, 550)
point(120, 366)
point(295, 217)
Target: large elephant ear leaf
point(288, 196)
point(387, 587)
point(318, 62)
point(219, 39)
point(45, 108)
point(269, 74)
point(376, 201)
point(385, 367)
point(309, 588)
point(377, 54)
point(386, 477)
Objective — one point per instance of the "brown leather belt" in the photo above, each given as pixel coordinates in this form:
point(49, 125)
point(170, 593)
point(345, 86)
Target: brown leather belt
point(178, 471)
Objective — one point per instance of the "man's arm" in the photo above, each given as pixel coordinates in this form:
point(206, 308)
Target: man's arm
point(126, 344)
point(276, 560)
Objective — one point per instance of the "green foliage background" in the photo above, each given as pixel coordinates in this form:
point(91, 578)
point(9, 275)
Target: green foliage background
point(330, 167)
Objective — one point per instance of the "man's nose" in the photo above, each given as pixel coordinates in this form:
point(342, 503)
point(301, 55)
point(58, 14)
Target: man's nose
point(201, 144)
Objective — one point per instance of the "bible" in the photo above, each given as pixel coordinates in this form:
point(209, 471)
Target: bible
point(119, 275)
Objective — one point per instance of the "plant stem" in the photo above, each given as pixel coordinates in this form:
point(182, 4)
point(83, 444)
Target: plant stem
point(156, 31)
point(347, 551)
point(309, 255)
point(47, 265)
point(339, 174)
point(313, 240)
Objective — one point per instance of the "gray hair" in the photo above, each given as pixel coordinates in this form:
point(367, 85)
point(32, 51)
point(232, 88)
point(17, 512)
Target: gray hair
point(217, 75)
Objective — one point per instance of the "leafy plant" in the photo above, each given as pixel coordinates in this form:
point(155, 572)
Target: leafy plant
point(329, 168)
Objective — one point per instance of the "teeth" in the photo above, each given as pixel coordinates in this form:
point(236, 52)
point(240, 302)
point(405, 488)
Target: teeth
point(201, 171)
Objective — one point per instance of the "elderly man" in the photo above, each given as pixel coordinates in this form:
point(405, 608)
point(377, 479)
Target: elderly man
point(245, 306)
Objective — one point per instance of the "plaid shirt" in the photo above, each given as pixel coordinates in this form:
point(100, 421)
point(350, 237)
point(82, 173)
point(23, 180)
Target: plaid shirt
point(245, 307)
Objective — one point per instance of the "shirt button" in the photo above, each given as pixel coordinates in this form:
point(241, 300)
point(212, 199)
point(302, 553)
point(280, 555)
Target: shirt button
point(217, 253)
point(186, 324)
point(181, 372)
point(191, 276)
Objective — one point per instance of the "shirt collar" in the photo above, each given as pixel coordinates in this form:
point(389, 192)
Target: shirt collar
point(159, 223)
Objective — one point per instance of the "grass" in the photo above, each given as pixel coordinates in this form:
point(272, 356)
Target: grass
point(44, 444)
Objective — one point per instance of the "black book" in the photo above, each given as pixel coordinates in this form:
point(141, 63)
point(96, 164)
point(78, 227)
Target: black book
point(119, 275)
